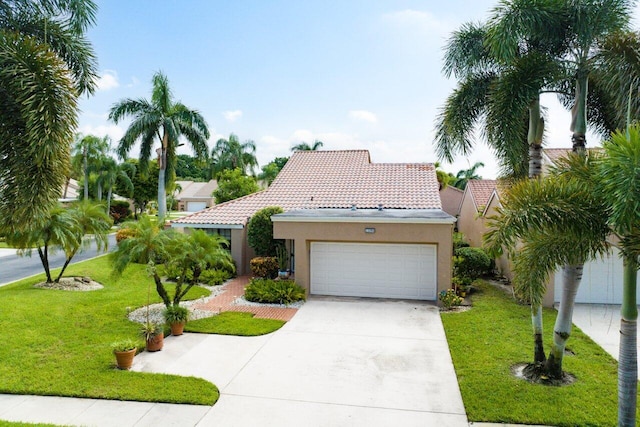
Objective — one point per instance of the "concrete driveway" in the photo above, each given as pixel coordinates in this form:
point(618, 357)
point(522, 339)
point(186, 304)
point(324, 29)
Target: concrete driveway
point(346, 362)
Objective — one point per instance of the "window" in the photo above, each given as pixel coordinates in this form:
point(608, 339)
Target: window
point(222, 232)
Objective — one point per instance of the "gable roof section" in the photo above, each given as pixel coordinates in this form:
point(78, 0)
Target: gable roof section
point(451, 199)
point(480, 191)
point(191, 189)
point(332, 179)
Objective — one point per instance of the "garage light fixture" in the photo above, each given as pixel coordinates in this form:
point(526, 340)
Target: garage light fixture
point(370, 230)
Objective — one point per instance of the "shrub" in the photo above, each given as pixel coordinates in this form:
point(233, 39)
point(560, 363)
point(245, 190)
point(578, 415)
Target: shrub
point(214, 277)
point(459, 241)
point(173, 272)
point(119, 211)
point(264, 267)
point(175, 314)
point(124, 233)
point(274, 291)
point(260, 232)
point(449, 298)
point(471, 262)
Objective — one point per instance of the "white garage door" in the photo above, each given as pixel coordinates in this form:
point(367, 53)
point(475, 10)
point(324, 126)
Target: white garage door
point(374, 270)
point(196, 206)
point(601, 281)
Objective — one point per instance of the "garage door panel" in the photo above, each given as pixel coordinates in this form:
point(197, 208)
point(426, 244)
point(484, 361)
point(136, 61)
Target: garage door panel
point(374, 270)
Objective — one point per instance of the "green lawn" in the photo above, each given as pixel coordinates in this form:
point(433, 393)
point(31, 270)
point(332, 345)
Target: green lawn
point(234, 323)
point(495, 334)
point(58, 342)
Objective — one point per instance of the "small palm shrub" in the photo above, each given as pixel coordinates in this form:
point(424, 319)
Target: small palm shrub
point(214, 277)
point(264, 267)
point(274, 291)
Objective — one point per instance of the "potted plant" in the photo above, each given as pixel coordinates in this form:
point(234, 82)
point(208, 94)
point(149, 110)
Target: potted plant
point(124, 351)
point(283, 261)
point(153, 333)
point(176, 316)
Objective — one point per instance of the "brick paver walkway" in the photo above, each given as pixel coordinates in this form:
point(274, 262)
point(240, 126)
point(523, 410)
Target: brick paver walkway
point(235, 289)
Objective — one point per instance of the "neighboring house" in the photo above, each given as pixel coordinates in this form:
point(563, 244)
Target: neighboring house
point(195, 196)
point(71, 191)
point(602, 278)
point(353, 227)
point(451, 199)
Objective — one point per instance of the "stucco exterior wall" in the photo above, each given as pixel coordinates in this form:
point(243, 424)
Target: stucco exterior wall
point(241, 251)
point(468, 222)
point(303, 233)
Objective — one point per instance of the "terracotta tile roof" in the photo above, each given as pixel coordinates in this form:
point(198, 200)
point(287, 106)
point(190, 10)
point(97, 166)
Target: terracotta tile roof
point(191, 189)
point(555, 153)
point(481, 190)
point(333, 179)
point(451, 198)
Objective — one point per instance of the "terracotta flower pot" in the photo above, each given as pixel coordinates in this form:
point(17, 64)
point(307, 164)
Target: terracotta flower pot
point(177, 328)
point(156, 343)
point(124, 359)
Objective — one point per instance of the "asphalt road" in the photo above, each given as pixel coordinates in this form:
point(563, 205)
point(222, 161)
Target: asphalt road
point(14, 267)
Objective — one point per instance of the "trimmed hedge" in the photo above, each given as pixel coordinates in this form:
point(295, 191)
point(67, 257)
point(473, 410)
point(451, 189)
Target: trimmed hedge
point(471, 262)
point(260, 232)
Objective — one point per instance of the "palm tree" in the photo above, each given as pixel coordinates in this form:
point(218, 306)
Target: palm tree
point(64, 229)
point(89, 150)
point(303, 146)
point(229, 154)
point(463, 176)
point(565, 220)
point(45, 63)
point(190, 253)
point(164, 120)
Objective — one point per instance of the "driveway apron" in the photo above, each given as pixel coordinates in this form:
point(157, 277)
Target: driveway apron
point(338, 362)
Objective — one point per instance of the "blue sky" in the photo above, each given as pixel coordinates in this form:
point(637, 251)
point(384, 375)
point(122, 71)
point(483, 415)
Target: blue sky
point(355, 74)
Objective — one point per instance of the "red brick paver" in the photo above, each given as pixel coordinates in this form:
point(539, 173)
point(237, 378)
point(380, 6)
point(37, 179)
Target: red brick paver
point(234, 289)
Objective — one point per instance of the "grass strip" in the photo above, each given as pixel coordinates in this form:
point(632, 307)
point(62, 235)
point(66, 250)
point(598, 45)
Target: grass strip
point(234, 323)
point(494, 335)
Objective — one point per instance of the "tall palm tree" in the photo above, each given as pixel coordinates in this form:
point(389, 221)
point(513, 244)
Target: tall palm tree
point(303, 146)
point(164, 120)
point(229, 154)
point(45, 63)
point(573, 29)
point(89, 150)
point(565, 220)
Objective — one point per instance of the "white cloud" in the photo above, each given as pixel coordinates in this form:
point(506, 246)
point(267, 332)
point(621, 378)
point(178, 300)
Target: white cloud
point(418, 22)
point(108, 80)
point(232, 115)
point(363, 115)
point(134, 81)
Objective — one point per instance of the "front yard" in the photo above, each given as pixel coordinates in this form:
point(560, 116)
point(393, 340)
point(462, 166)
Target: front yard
point(58, 342)
point(494, 335)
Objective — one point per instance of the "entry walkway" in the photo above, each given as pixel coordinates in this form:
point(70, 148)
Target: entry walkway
point(235, 289)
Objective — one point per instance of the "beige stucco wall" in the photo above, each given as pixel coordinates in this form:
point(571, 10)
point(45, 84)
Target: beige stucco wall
point(241, 251)
point(469, 223)
point(303, 233)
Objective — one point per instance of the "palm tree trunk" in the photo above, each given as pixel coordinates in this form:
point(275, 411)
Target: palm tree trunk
point(538, 342)
point(99, 190)
point(534, 139)
point(66, 187)
point(161, 290)
point(109, 193)
point(66, 264)
point(86, 174)
point(162, 195)
point(628, 357)
point(44, 259)
point(571, 276)
point(579, 114)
